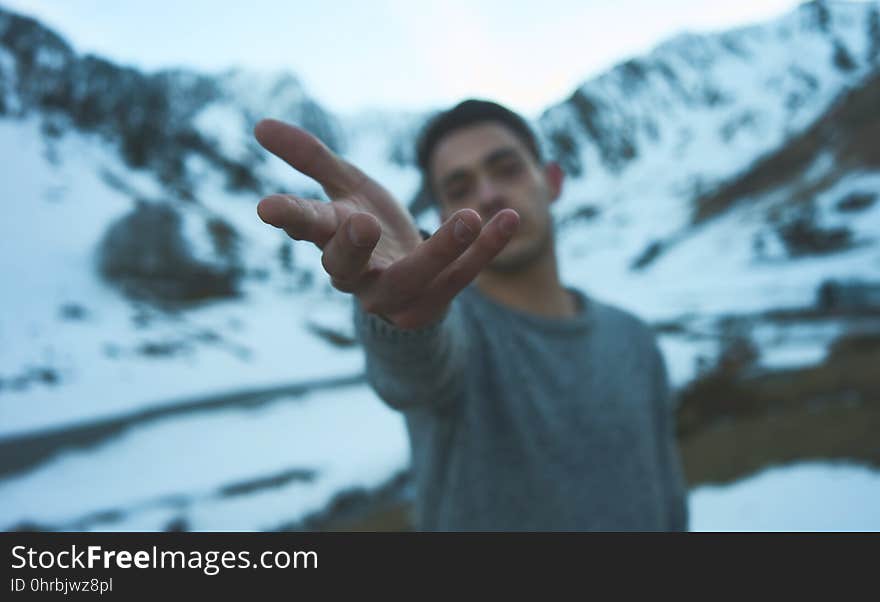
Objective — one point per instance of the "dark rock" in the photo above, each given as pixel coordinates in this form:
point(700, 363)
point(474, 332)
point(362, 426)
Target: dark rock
point(273, 481)
point(802, 236)
point(842, 59)
point(648, 255)
point(46, 375)
point(351, 506)
point(177, 525)
point(334, 337)
point(285, 256)
point(146, 254)
point(73, 311)
point(30, 376)
point(565, 151)
point(731, 127)
point(845, 296)
point(28, 527)
point(856, 201)
point(142, 319)
point(584, 213)
point(616, 145)
point(817, 14)
point(162, 348)
point(873, 51)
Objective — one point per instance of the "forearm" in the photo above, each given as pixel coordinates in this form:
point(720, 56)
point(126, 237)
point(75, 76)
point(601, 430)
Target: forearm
point(408, 368)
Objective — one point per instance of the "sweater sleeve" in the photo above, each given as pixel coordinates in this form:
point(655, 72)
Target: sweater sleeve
point(414, 368)
point(672, 472)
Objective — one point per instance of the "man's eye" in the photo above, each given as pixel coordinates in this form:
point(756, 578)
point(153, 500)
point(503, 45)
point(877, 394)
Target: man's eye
point(457, 193)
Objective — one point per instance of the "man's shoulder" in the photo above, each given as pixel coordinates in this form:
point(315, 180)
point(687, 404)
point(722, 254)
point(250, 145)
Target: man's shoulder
point(623, 332)
point(608, 313)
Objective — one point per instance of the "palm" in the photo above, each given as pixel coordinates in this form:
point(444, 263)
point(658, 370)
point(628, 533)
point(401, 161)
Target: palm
point(399, 234)
point(371, 246)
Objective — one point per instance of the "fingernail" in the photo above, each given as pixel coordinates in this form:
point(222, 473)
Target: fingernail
point(357, 239)
point(507, 223)
point(461, 231)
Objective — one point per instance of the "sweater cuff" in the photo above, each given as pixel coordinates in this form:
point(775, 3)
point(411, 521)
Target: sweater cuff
point(377, 328)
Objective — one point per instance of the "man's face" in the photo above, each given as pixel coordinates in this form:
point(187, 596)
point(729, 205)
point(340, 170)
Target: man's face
point(487, 168)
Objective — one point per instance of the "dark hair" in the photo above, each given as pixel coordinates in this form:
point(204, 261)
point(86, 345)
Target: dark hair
point(464, 114)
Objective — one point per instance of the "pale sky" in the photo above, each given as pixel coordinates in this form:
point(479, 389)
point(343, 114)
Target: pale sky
point(394, 54)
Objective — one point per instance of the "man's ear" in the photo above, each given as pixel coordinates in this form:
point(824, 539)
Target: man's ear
point(554, 177)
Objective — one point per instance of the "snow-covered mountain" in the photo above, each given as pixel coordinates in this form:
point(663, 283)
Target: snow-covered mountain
point(714, 176)
point(657, 136)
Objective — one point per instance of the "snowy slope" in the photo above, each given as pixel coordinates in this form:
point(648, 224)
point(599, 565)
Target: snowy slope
point(55, 214)
point(234, 469)
point(805, 496)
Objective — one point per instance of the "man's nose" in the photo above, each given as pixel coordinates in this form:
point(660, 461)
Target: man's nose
point(489, 196)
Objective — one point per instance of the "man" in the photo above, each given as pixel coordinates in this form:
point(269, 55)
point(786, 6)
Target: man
point(529, 406)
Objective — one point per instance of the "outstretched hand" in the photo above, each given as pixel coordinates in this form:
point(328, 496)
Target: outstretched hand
point(371, 246)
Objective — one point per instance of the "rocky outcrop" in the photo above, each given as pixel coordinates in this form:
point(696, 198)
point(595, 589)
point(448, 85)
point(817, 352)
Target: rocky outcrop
point(147, 256)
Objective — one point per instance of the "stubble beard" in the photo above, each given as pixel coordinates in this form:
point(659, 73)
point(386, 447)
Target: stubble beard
point(521, 259)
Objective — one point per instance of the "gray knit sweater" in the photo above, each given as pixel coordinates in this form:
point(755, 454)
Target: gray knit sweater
point(520, 422)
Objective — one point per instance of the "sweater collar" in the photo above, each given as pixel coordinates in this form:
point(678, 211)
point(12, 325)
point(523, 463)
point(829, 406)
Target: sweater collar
point(577, 323)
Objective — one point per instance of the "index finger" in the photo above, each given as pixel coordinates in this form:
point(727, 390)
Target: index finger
point(304, 152)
